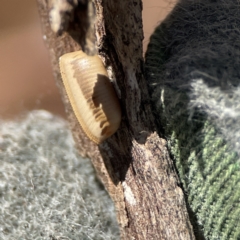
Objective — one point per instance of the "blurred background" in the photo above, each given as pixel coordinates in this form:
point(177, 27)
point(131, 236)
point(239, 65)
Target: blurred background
point(26, 79)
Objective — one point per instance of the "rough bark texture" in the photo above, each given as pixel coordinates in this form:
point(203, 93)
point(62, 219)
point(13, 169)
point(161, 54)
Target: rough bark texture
point(134, 164)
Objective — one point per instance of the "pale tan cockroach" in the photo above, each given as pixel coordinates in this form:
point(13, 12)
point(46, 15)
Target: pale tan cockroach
point(91, 94)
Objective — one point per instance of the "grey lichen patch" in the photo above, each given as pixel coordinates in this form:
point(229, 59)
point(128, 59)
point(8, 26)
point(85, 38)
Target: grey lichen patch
point(47, 191)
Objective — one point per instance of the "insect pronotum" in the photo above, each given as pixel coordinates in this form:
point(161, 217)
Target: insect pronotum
point(91, 94)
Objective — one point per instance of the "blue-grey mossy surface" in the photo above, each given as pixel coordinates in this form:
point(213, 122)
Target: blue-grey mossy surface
point(193, 74)
point(47, 191)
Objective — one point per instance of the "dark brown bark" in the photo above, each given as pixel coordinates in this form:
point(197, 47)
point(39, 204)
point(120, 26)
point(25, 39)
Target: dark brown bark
point(134, 164)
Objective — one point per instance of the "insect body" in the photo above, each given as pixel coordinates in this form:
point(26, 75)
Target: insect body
point(91, 94)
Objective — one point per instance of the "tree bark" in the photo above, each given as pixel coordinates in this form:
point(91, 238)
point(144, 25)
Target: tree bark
point(134, 164)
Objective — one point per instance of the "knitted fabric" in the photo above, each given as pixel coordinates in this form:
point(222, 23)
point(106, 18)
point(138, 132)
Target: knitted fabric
point(193, 74)
point(47, 191)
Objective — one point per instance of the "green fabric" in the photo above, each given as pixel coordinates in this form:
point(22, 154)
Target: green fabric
point(205, 157)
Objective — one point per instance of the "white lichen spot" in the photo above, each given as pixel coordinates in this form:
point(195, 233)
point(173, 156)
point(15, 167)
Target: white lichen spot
point(112, 78)
point(55, 19)
point(58, 11)
point(128, 194)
